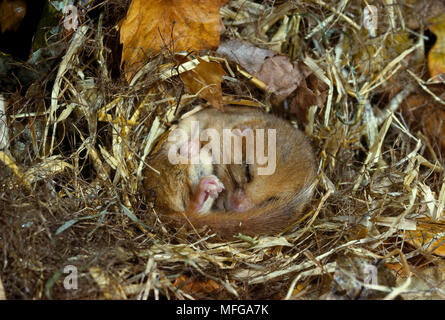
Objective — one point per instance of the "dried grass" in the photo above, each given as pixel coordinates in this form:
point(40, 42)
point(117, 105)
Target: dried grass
point(71, 181)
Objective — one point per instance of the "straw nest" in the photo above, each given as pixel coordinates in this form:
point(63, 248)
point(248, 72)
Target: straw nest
point(71, 192)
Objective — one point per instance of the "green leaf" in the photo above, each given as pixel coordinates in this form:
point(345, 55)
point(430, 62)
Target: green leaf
point(134, 218)
point(66, 225)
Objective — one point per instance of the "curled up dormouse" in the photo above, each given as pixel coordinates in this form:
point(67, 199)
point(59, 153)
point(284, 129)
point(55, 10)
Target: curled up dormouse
point(238, 171)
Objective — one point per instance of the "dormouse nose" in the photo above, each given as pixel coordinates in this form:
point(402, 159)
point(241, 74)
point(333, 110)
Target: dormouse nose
point(239, 201)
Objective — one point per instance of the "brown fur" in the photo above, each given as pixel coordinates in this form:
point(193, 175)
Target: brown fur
point(274, 201)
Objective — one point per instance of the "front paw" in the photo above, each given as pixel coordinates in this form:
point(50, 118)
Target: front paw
point(211, 185)
point(207, 191)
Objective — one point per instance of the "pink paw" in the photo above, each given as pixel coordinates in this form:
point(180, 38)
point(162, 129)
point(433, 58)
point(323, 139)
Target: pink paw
point(211, 185)
point(208, 190)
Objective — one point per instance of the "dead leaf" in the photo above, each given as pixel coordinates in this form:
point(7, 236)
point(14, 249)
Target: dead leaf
point(428, 236)
point(281, 77)
point(205, 80)
point(427, 282)
point(245, 54)
point(311, 92)
point(436, 56)
point(398, 270)
point(423, 113)
point(12, 13)
point(351, 276)
point(179, 25)
point(195, 287)
point(434, 125)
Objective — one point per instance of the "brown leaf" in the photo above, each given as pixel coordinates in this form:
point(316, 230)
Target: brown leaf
point(428, 236)
point(311, 92)
point(245, 54)
point(279, 74)
point(427, 282)
point(351, 275)
point(206, 79)
point(436, 56)
point(281, 77)
point(195, 287)
point(423, 113)
point(398, 269)
point(12, 13)
point(179, 25)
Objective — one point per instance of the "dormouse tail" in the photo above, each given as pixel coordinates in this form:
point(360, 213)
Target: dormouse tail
point(272, 218)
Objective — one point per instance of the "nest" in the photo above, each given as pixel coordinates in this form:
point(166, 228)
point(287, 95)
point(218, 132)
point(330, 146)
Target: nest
point(71, 191)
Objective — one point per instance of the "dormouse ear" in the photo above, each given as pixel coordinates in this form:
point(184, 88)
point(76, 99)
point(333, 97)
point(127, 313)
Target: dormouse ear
point(252, 124)
point(241, 127)
point(244, 129)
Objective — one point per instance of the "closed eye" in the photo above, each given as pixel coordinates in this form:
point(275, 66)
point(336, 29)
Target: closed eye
point(272, 199)
point(247, 172)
